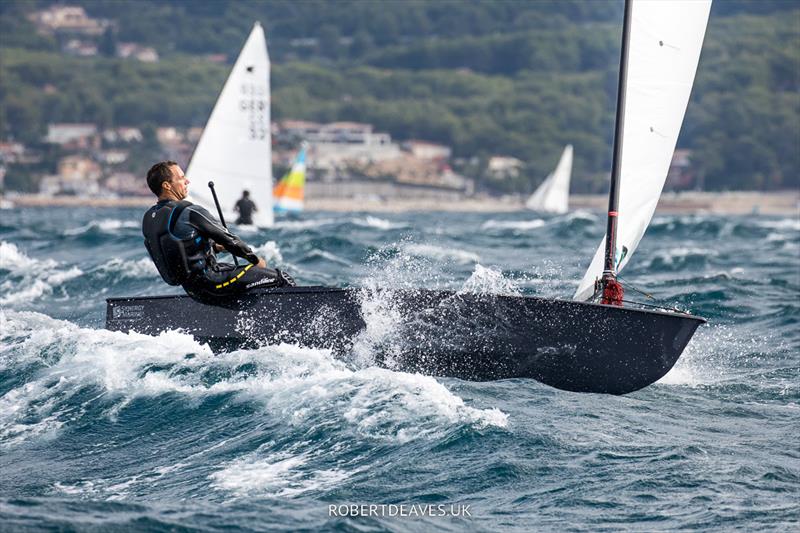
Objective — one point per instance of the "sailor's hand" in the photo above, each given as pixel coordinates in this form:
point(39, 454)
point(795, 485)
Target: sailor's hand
point(253, 258)
point(218, 247)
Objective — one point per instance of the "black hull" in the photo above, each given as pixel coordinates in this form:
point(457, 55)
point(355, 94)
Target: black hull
point(574, 346)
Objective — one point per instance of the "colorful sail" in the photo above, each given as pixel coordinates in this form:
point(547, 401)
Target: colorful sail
point(664, 49)
point(289, 191)
point(552, 196)
point(235, 150)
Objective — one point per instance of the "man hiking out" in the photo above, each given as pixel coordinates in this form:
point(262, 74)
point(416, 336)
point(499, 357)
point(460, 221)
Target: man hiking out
point(182, 240)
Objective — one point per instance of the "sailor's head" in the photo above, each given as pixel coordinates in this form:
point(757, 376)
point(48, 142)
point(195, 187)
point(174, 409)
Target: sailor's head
point(167, 181)
point(245, 194)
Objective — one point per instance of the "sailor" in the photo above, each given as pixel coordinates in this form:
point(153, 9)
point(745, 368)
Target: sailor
point(182, 240)
point(245, 207)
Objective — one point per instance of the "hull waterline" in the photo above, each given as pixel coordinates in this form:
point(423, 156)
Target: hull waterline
point(573, 346)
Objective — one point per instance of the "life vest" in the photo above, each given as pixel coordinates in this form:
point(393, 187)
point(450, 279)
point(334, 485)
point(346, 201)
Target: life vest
point(168, 252)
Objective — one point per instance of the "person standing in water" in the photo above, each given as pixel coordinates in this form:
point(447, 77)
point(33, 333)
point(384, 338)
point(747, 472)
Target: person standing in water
point(245, 207)
point(183, 240)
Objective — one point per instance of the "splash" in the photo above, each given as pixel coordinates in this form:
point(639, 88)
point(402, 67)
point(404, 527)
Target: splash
point(75, 370)
point(488, 281)
point(270, 252)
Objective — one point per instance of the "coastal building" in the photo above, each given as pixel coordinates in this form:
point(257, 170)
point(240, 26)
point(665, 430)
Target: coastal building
point(77, 175)
point(77, 47)
point(73, 136)
point(681, 174)
point(126, 184)
point(503, 167)
point(427, 150)
point(122, 135)
point(11, 152)
point(145, 54)
point(337, 146)
point(67, 20)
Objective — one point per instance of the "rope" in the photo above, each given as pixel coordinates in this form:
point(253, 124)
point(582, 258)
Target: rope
point(643, 293)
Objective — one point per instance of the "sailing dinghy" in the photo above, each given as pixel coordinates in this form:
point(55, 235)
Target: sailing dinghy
point(552, 196)
point(289, 192)
point(235, 150)
point(606, 346)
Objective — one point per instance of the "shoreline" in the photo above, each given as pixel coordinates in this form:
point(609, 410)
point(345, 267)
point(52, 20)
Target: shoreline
point(722, 203)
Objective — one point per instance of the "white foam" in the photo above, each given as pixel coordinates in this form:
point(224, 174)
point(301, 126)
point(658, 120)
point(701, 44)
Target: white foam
point(279, 475)
point(106, 226)
point(333, 258)
point(294, 383)
point(304, 224)
point(15, 260)
point(488, 281)
point(378, 223)
point(442, 254)
point(30, 278)
point(120, 268)
point(514, 224)
point(270, 252)
point(792, 224)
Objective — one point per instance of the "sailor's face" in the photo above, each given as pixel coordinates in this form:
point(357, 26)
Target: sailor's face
point(179, 183)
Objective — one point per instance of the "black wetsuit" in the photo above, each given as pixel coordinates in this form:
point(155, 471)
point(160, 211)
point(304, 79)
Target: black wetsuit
point(245, 207)
point(197, 230)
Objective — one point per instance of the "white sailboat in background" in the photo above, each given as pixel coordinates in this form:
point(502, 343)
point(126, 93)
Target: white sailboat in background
point(663, 53)
point(235, 150)
point(552, 196)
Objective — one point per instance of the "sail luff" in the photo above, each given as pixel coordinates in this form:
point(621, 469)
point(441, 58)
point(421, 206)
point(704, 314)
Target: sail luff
point(665, 43)
point(235, 150)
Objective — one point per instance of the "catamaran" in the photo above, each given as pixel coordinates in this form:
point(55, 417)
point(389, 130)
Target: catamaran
point(597, 342)
point(235, 150)
point(289, 192)
point(552, 196)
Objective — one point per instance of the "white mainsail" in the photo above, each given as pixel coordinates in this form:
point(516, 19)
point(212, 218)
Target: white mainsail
point(664, 49)
point(235, 150)
point(552, 196)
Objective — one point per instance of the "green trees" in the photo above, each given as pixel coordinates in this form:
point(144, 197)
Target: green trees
point(511, 78)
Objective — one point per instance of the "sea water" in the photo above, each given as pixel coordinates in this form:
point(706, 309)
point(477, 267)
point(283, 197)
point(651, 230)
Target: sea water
point(105, 431)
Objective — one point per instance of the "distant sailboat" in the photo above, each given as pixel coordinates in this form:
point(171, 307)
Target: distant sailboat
point(552, 196)
point(235, 150)
point(289, 191)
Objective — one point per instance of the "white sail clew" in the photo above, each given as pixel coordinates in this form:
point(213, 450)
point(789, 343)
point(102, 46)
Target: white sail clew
point(552, 196)
point(235, 150)
point(664, 49)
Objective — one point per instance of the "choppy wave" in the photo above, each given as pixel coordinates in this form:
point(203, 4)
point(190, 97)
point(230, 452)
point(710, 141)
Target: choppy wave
point(28, 278)
point(521, 225)
point(108, 430)
point(441, 253)
point(105, 226)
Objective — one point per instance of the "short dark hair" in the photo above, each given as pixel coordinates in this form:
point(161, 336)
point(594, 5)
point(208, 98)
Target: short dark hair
point(245, 193)
point(158, 174)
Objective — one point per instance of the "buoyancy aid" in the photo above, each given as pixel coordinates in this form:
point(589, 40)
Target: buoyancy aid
point(169, 253)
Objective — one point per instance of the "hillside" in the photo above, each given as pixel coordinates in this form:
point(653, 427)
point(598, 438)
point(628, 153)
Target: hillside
point(512, 78)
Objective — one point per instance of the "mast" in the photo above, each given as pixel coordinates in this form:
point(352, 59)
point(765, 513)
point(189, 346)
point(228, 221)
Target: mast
point(609, 271)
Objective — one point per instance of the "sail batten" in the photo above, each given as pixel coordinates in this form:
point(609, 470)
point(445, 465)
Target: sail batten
point(235, 150)
point(664, 49)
